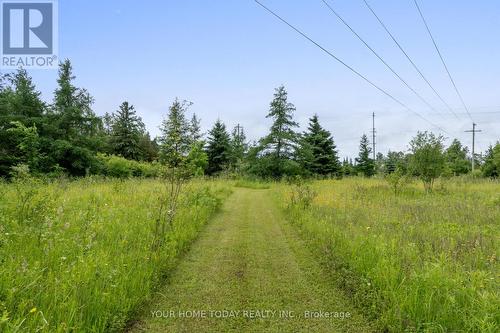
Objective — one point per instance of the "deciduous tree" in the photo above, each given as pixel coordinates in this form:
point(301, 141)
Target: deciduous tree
point(456, 158)
point(427, 159)
point(491, 166)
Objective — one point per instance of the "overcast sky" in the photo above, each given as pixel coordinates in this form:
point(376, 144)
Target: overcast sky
point(227, 56)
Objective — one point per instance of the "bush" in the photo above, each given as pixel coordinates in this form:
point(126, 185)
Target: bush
point(397, 180)
point(119, 167)
point(149, 170)
point(302, 195)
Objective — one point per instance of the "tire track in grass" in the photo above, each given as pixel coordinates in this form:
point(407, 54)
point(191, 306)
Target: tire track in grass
point(250, 263)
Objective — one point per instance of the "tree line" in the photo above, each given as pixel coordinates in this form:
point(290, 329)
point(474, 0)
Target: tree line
point(66, 136)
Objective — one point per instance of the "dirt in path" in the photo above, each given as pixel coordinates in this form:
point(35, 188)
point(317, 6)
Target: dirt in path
point(249, 272)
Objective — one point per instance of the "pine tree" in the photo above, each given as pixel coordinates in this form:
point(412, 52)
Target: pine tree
point(75, 127)
point(325, 159)
point(239, 147)
point(26, 101)
point(195, 134)
point(73, 106)
point(281, 143)
point(365, 164)
point(148, 148)
point(304, 156)
point(126, 133)
point(175, 142)
point(218, 149)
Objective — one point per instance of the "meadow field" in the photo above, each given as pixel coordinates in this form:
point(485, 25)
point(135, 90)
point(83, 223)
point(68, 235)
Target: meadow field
point(413, 261)
point(160, 173)
point(77, 256)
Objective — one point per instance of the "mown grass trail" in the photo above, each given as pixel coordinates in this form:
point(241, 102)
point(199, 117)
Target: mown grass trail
point(247, 259)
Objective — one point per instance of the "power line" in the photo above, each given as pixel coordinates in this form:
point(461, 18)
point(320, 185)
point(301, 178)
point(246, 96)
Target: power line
point(483, 113)
point(349, 67)
point(442, 59)
point(379, 56)
point(409, 59)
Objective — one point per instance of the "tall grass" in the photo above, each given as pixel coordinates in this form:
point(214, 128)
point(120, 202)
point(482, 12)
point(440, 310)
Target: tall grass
point(252, 184)
point(413, 262)
point(76, 256)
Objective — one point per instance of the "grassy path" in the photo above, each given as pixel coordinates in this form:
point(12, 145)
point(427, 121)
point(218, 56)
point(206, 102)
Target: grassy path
point(248, 260)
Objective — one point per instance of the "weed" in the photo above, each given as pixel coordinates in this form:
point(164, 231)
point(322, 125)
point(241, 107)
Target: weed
point(302, 196)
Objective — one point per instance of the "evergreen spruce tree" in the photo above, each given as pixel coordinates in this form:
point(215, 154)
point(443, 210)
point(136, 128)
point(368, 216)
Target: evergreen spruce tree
point(281, 143)
point(25, 101)
point(75, 127)
point(148, 148)
point(175, 142)
point(365, 164)
point(195, 129)
point(218, 149)
point(73, 107)
point(304, 156)
point(127, 131)
point(239, 147)
point(325, 159)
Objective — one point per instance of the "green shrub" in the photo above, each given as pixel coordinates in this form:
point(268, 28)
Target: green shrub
point(119, 167)
point(147, 170)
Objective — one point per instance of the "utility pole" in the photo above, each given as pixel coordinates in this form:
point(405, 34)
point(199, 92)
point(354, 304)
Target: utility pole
point(373, 136)
point(473, 131)
point(238, 127)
